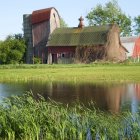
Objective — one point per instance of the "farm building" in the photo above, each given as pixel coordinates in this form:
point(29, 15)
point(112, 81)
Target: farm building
point(85, 44)
point(37, 28)
point(67, 45)
point(136, 50)
point(129, 43)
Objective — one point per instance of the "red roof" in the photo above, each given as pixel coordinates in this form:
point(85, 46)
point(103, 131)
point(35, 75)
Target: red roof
point(40, 15)
point(136, 50)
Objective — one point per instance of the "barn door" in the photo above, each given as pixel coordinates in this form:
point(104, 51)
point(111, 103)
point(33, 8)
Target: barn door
point(54, 58)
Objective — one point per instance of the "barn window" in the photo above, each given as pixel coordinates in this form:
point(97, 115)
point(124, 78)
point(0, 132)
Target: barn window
point(54, 15)
point(63, 55)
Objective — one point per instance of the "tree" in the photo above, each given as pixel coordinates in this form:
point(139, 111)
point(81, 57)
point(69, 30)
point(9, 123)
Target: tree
point(111, 13)
point(63, 23)
point(137, 25)
point(12, 49)
point(3, 53)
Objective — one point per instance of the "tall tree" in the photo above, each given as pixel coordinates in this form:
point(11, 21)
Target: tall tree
point(111, 13)
point(12, 49)
point(137, 25)
point(63, 23)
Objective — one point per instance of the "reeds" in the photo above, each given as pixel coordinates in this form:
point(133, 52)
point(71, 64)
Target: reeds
point(23, 117)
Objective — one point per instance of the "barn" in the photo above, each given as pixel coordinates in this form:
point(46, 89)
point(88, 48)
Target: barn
point(37, 28)
point(85, 44)
point(52, 44)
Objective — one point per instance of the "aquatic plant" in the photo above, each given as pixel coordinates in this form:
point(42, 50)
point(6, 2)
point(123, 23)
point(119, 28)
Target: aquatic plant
point(23, 117)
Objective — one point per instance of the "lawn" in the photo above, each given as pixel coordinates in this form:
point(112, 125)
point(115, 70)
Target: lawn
point(71, 73)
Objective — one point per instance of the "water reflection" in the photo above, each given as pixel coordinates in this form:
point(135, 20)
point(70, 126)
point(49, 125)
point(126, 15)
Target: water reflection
point(113, 97)
point(7, 90)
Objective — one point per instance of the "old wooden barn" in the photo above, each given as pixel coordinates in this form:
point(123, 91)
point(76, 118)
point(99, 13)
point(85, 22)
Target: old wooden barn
point(85, 44)
point(80, 44)
point(37, 28)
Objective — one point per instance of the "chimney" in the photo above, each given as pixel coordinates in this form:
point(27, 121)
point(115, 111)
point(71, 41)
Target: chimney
point(81, 24)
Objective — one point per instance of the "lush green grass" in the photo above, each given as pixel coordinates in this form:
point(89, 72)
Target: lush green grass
point(72, 73)
point(27, 119)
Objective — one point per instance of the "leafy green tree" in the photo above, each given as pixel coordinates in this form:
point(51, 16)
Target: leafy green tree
point(12, 50)
point(63, 23)
point(137, 25)
point(111, 13)
point(3, 53)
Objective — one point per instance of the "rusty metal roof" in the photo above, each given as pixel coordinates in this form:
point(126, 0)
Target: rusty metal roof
point(41, 15)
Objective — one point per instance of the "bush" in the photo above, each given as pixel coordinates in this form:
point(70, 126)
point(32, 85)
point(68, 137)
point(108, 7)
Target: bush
point(36, 60)
point(12, 50)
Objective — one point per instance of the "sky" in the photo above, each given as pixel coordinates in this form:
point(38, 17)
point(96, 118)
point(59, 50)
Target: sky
point(11, 11)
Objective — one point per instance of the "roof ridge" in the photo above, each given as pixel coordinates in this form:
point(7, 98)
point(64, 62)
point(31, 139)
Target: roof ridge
point(41, 10)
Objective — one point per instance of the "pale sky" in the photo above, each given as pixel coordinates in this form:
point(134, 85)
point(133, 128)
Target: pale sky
point(11, 11)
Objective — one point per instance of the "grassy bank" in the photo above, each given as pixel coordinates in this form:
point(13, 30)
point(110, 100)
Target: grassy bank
point(27, 119)
point(72, 73)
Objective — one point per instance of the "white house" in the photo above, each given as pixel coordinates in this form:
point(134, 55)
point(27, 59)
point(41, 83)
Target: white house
point(129, 43)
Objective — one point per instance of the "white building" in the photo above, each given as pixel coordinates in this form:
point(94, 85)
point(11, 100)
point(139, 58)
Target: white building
point(129, 43)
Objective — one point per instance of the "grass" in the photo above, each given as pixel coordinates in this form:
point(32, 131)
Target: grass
point(28, 119)
point(72, 73)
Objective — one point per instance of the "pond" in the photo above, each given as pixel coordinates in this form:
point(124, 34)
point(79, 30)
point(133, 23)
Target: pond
point(107, 97)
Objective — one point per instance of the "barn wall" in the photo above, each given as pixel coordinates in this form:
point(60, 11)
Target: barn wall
point(123, 54)
point(79, 54)
point(88, 54)
point(64, 54)
point(114, 50)
point(40, 33)
point(54, 20)
point(61, 49)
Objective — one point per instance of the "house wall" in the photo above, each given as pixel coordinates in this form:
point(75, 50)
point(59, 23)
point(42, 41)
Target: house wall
point(129, 46)
point(128, 43)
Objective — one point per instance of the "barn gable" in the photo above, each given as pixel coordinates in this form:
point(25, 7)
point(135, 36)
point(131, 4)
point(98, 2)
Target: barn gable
point(40, 15)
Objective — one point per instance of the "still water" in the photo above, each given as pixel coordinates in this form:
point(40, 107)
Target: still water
point(107, 97)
